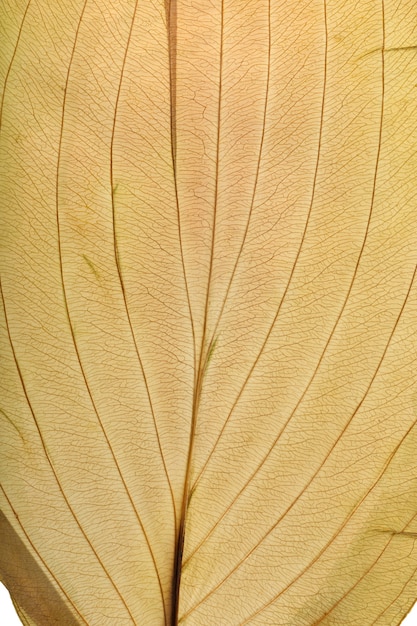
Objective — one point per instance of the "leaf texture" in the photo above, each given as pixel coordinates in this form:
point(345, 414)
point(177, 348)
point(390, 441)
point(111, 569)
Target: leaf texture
point(208, 301)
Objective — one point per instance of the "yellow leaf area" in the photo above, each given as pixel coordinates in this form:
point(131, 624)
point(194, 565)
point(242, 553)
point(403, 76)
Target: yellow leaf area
point(208, 311)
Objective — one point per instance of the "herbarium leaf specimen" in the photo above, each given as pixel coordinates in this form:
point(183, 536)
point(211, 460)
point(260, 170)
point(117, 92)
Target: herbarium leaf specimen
point(209, 311)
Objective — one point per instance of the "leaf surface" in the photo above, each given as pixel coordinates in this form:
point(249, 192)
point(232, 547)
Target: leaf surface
point(208, 290)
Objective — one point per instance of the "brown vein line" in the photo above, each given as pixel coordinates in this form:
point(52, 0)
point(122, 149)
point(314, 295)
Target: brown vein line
point(10, 421)
point(201, 366)
point(171, 21)
point(117, 260)
point(171, 11)
point(171, 18)
point(216, 193)
point(255, 182)
point(337, 533)
point(40, 557)
point(69, 317)
point(197, 480)
point(51, 465)
point(351, 589)
point(327, 456)
point(6, 79)
point(312, 378)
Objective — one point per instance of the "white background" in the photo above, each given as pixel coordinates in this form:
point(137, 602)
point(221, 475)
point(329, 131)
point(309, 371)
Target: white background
point(8, 615)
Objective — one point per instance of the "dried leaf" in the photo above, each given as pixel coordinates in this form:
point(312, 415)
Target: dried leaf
point(208, 374)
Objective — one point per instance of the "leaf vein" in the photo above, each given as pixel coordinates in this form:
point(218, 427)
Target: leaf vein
point(50, 463)
point(66, 306)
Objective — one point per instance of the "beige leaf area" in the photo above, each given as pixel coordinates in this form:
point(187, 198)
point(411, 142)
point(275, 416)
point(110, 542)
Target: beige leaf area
point(208, 311)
